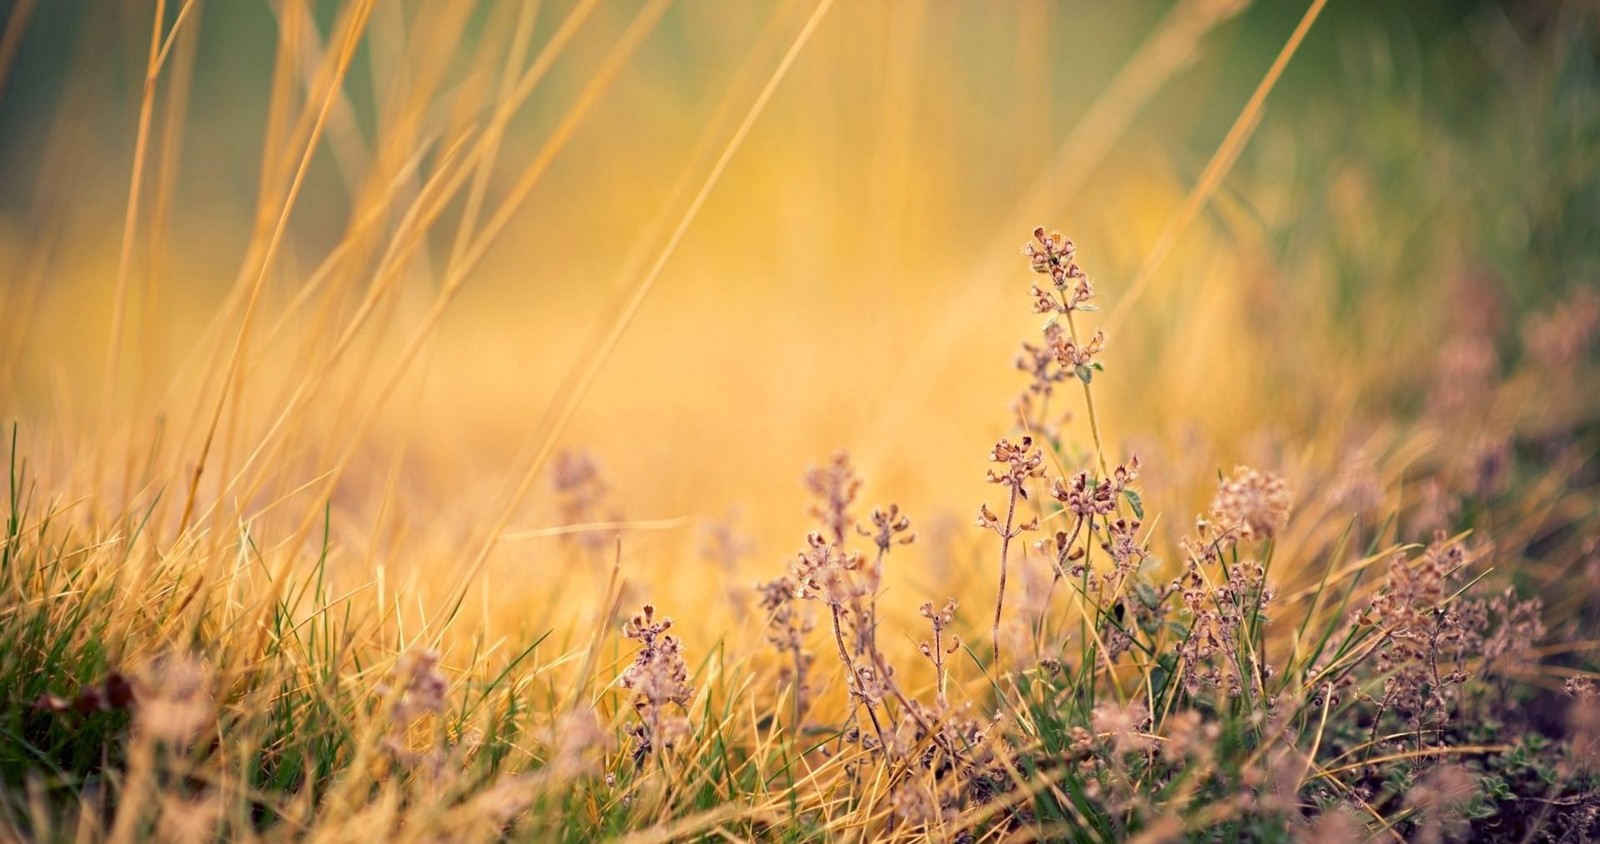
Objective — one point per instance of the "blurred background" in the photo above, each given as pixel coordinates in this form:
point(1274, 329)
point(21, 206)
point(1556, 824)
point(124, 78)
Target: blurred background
point(377, 251)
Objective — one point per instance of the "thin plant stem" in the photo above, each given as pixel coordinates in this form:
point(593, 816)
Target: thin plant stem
point(1005, 550)
point(855, 679)
point(1088, 398)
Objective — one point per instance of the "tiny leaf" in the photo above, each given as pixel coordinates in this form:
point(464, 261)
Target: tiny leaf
point(1135, 502)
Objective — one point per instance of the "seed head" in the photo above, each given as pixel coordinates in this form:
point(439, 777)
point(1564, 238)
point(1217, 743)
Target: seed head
point(1252, 505)
point(1021, 462)
point(834, 489)
point(824, 572)
point(1052, 255)
point(889, 527)
point(1083, 497)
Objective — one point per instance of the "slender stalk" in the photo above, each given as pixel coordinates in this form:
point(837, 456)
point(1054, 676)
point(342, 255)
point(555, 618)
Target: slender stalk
point(855, 679)
point(1005, 550)
point(869, 631)
point(1088, 398)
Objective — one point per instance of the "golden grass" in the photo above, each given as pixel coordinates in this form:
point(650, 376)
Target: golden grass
point(305, 426)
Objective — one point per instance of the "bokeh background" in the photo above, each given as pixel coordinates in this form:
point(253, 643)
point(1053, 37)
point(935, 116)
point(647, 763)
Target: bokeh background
point(852, 278)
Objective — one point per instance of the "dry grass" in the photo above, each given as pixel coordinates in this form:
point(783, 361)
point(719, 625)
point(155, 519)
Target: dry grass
point(344, 503)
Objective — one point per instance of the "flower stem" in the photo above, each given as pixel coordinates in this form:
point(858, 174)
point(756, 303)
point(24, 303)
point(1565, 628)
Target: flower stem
point(1005, 550)
point(1088, 398)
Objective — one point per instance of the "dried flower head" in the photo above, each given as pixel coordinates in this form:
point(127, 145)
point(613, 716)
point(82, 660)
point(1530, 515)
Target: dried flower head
point(1252, 505)
point(786, 630)
point(1020, 461)
point(825, 572)
point(1123, 544)
point(833, 488)
point(1052, 255)
point(944, 643)
point(1083, 497)
point(1423, 632)
point(889, 527)
point(1079, 358)
point(658, 677)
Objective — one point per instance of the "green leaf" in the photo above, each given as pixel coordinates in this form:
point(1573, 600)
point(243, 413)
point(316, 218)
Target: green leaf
point(1084, 373)
point(1135, 502)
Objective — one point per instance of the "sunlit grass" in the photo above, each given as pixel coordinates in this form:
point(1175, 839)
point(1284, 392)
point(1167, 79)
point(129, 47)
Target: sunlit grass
point(449, 335)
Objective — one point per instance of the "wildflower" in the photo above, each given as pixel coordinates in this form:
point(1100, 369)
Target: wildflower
point(1188, 736)
point(1420, 631)
point(1122, 543)
point(938, 650)
point(724, 545)
point(1519, 626)
point(889, 528)
point(823, 572)
point(658, 677)
point(1053, 256)
point(1021, 462)
point(1080, 357)
point(1487, 466)
point(1252, 505)
point(658, 672)
point(1464, 375)
point(786, 631)
point(1436, 508)
point(1217, 615)
point(1337, 825)
point(834, 487)
point(1083, 497)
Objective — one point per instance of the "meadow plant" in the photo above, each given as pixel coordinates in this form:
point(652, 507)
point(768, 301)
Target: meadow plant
point(659, 680)
point(1381, 627)
point(1198, 688)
